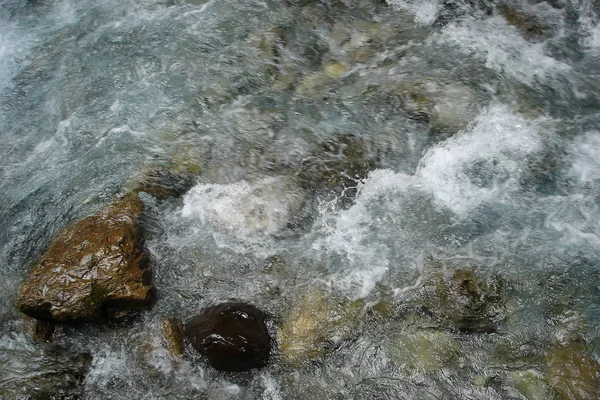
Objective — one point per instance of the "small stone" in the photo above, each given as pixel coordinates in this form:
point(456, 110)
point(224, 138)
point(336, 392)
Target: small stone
point(233, 336)
point(173, 335)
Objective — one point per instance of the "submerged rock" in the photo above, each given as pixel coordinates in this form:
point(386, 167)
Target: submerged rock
point(43, 371)
point(265, 206)
point(162, 182)
point(314, 323)
point(92, 269)
point(530, 26)
point(464, 301)
point(447, 108)
point(337, 163)
point(233, 336)
point(531, 385)
point(423, 351)
point(573, 372)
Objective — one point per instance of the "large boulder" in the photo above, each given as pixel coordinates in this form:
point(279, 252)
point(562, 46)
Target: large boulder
point(233, 336)
point(93, 268)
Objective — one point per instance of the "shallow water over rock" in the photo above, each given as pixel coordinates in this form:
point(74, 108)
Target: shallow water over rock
point(408, 189)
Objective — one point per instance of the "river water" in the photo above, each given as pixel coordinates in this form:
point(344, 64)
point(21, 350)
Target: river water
point(480, 123)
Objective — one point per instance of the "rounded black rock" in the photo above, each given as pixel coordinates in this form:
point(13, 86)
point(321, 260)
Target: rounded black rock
point(233, 336)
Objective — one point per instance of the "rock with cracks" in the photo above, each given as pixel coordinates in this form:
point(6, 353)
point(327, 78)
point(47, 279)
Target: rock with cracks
point(94, 268)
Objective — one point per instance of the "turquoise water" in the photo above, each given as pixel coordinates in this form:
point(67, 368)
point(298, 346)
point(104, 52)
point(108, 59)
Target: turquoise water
point(481, 132)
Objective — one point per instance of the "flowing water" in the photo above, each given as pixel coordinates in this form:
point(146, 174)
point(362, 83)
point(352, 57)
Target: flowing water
point(480, 123)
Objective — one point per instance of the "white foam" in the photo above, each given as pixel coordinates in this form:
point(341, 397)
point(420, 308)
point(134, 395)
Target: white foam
point(503, 49)
point(585, 167)
point(483, 163)
point(424, 11)
point(245, 208)
point(355, 233)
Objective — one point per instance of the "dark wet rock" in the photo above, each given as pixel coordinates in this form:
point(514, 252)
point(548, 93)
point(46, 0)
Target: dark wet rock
point(573, 372)
point(233, 336)
point(93, 268)
point(42, 371)
point(39, 330)
point(173, 335)
point(337, 163)
point(465, 301)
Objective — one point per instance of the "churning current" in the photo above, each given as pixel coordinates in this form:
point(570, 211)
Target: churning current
point(408, 189)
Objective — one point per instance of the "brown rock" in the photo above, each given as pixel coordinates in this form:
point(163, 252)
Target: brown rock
point(173, 334)
point(92, 269)
point(233, 336)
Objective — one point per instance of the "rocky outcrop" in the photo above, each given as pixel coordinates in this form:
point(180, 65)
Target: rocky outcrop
point(233, 336)
point(93, 268)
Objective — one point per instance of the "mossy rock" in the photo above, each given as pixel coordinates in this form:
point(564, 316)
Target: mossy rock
point(337, 163)
point(423, 351)
point(315, 323)
point(573, 372)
